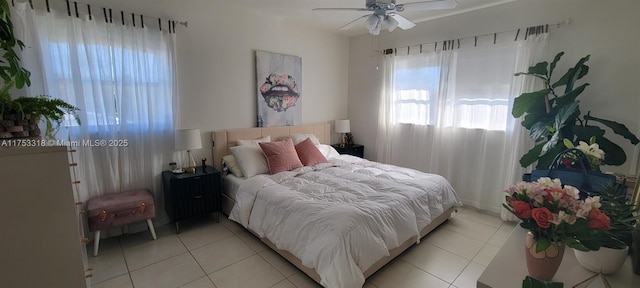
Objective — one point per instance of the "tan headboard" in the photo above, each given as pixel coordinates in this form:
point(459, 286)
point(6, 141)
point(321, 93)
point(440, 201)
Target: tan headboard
point(225, 139)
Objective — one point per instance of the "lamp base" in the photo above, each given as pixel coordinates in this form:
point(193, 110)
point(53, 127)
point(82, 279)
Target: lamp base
point(191, 162)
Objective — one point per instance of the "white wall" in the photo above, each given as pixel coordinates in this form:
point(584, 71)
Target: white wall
point(216, 62)
point(604, 29)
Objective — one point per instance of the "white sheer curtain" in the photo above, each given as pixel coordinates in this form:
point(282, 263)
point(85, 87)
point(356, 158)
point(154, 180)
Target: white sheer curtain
point(463, 129)
point(122, 78)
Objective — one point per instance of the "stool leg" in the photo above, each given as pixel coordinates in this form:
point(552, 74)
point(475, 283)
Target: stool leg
point(96, 242)
point(153, 231)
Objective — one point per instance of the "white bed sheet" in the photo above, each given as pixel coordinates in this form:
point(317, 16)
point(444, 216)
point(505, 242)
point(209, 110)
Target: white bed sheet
point(230, 184)
point(341, 217)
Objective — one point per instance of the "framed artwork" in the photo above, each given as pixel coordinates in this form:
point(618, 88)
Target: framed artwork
point(279, 89)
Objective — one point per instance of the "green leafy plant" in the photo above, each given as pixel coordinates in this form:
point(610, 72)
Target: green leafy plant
point(530, 282)
point(553, 114)
point(52, 111)
point(10, 69)
point(621, 215)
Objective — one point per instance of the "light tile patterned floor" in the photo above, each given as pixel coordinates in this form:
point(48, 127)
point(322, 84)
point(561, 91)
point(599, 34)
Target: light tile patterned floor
point(207, 254)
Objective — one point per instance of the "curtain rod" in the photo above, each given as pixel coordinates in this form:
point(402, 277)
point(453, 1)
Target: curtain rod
point(448, 44)
point(73, 11)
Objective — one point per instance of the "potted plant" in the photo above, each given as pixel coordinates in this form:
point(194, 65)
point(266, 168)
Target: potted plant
point(553, 114)
point(614, 248)
point(555, 216)
point(20, 117)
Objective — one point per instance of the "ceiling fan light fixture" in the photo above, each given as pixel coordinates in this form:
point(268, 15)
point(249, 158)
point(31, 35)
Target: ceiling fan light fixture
point(391, 23)
point(374, 24)
point(384, 12)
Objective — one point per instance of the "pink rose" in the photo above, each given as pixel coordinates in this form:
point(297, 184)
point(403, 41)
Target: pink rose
point(542, 216)
point(521, 209)
point(598, 220)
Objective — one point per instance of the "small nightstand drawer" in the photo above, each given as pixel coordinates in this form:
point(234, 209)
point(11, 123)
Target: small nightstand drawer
point(358, 150)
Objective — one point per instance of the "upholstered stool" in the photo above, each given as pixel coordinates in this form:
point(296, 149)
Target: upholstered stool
point(113, 210)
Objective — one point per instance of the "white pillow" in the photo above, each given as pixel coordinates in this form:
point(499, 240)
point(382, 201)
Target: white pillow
point(232, 165)
point(297, 138)
point(250, 159)
point(254, 142)
point(327, 151)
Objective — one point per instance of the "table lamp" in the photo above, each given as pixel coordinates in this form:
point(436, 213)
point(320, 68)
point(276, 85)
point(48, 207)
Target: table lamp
point(188, 139)
point(342, 127)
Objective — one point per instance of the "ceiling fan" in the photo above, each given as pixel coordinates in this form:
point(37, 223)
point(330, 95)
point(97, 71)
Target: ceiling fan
point(385, 12)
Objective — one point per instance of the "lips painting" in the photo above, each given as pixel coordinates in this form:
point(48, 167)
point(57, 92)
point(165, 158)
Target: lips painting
point(280, 92)
point(278, 89)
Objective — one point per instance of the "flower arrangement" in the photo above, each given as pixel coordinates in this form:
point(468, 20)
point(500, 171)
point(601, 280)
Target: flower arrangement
point(595, 155)
point(282, 80)
point(280, 91)
point(554, 213)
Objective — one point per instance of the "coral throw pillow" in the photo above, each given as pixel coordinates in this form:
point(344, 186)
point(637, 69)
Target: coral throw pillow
point(309, 154)
point(281, 156)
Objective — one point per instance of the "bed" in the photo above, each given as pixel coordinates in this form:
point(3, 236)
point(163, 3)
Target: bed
point(338, 222)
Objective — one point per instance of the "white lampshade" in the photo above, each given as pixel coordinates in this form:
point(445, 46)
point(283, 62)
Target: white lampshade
point(343, 126)
point(188, 139)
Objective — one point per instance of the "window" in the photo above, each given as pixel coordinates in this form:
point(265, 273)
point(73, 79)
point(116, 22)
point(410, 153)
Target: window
point(472, 91)
point(105, 84)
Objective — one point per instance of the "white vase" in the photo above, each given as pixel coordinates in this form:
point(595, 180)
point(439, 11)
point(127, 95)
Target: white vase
point(605, 260)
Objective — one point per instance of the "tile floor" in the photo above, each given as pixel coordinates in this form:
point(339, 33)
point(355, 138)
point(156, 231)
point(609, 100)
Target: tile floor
point(224, 255)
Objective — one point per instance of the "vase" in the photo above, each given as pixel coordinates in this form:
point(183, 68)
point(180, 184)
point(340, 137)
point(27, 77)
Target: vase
point(606, 260)
point(543, 265)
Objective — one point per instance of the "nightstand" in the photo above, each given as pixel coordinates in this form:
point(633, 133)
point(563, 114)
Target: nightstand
point(191, 194)
point(351, 149)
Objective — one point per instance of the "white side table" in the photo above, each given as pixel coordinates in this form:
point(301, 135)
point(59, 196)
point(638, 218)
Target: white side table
point(508, 268)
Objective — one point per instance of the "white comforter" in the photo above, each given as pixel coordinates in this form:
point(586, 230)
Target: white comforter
point(343, 216)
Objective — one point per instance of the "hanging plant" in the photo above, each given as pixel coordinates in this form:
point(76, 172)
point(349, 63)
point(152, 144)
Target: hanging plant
point(552, 115)
point(19, 117)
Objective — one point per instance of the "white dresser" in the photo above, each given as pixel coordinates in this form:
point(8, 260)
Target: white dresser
point(41, 243)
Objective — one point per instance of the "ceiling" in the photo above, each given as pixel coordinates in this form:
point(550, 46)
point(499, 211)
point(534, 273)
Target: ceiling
point(300, 10)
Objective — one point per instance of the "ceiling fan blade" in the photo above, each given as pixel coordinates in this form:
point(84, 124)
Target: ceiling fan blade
point(428, 5)
point(340, 9)
point(353, 23)
point(403, 23)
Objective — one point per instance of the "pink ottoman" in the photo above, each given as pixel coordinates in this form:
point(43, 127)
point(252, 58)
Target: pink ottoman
point(113, 210)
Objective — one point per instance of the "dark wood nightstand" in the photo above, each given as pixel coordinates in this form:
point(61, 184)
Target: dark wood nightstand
point(351, 149)
point(187, 195)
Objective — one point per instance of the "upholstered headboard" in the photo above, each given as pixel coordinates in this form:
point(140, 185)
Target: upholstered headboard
point(225, 139)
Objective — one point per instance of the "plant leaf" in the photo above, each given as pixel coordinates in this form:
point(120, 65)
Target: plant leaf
point(537, 115)
point(617, 128)
point(530, 282)
point(567, 76)
point(555, 61)
point(613, 154)
point(542, 244)
point(571, 96)
point(531, 156)
point(540, 131)
point(578, 72)
point(545, 161)
point(528, 102)
point(538, 69)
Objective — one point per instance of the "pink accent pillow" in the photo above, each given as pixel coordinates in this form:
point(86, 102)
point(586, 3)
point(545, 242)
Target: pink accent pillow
point(309, 153)
point(281, 156)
